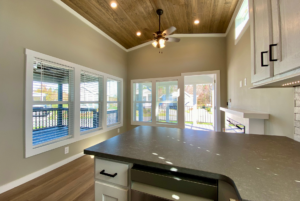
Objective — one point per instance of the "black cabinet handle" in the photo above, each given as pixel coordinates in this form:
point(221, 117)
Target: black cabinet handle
point(109, 175)
point(262, 59)
point(271, 52)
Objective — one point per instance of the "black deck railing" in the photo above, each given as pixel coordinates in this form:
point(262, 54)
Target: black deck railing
point(45, 118)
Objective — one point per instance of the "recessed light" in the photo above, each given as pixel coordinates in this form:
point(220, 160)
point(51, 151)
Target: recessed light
point(196, 22)
point(138, 33)
point(176, 197)
point(113, 4)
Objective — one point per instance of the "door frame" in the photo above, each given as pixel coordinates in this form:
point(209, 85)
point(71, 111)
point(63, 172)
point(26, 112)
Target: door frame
point(217, 100)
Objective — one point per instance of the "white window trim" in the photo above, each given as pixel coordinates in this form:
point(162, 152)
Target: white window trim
point(180, 120)
point(247, 25)
point(29, 148)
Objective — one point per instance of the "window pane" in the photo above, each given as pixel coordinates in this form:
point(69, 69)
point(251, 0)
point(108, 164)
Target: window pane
point(241, 18)
point(89, 116)
point(113, 101)
point(112, 90)
point(89, 87)
point(50, 122)
point(51, 83)
point(113, 115)
point(142, 91)
point(142, 97)
point(142, 112)
point(166, 101)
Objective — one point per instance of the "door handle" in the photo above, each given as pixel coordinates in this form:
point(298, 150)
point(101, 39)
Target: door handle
point(109, 175)
point(271, 52)
point(262, 59)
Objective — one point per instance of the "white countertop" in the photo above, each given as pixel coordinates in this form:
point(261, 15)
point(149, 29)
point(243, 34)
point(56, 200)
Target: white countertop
point(245, 113)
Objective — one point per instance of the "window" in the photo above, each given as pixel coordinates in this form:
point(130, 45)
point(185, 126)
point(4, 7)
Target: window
point(113, 102)
point(65, 103)
point(154, 102)
point(167, 101)
point(142, 102)
point(241, 18)
point(52, 91)
point(91, 99)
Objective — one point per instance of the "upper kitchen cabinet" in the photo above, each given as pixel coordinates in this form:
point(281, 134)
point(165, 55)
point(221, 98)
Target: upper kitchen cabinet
point(275, 31)
point(286, 33)
point(261, 38)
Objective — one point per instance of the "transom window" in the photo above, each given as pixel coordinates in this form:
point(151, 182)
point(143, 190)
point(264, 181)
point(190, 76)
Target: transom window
point(241, 18)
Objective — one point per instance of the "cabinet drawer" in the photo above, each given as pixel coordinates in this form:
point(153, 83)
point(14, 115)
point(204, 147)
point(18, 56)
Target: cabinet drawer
point(113, 172)
point(105, 192)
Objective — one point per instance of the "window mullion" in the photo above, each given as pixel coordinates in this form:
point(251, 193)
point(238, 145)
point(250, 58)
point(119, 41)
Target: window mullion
point(76, 121)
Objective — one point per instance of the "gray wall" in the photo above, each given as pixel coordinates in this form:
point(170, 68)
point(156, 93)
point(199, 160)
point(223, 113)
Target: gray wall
point(279, 103)
point(189, 55)
point(43, 26)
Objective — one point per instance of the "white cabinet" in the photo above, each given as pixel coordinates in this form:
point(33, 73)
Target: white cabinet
point(261, 38)
point(112, 172)
point(105, 192)
point(275, 44)
point(111, 180)
point(286, 32)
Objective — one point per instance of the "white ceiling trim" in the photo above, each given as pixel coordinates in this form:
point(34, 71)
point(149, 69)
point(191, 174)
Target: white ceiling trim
point(59, 2)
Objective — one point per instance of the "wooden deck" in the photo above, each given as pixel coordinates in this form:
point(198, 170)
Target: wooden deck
point(73, 181)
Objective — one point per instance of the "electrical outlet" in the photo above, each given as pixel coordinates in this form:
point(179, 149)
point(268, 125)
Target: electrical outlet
point(66, 150)
point(241, 83)
point(118, 130)
point(245, 82)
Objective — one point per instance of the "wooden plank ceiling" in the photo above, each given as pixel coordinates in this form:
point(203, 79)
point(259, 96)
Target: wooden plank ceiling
point(130, 16)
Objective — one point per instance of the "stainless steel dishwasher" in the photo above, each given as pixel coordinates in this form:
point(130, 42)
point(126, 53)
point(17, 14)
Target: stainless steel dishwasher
point(153, 184)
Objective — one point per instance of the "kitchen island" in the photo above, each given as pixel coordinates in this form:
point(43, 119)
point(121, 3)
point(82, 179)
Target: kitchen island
point(259, 167)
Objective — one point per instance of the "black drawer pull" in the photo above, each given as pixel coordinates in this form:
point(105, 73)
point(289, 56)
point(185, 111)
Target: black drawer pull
point(109, 175)
point(262, 59)
point(271, 52)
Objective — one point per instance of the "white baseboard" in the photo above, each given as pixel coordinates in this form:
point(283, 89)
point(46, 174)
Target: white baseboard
point(38, 173)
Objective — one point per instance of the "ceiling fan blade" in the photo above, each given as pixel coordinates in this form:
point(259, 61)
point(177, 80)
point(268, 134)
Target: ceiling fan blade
point(173, 39)
point(169, 31)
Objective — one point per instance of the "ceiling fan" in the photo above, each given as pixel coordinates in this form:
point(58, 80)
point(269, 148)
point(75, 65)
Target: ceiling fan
point(161, 37)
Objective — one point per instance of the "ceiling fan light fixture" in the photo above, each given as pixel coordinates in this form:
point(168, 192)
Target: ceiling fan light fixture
point(161, 41)
point(154, 43)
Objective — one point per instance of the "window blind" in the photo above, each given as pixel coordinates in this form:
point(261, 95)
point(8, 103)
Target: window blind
point(91, 101)
point(52, 95)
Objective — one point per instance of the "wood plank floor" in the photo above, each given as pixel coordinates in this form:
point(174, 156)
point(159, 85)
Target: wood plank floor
point(73, 181)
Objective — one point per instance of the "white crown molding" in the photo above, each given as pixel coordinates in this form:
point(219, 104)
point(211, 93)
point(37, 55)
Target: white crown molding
point(38, 173)
point(59, 2)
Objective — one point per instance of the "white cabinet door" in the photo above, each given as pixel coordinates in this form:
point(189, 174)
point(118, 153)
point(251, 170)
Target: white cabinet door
point(286, 29)
point(261, 38)
point(105, 192)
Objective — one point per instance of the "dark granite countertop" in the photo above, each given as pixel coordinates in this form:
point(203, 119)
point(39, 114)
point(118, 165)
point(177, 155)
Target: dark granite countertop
point(262, 168)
